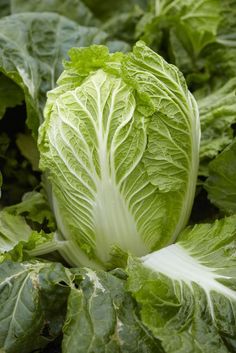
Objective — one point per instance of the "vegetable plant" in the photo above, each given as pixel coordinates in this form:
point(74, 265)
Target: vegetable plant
point(117, 176)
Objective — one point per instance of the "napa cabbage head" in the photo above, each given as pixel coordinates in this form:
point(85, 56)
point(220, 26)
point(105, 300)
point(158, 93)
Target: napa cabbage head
point(120, 147)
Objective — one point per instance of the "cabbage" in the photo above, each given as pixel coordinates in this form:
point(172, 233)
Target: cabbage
point(120, 146)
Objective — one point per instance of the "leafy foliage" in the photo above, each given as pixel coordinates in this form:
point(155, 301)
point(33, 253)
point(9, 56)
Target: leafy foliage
point(221, 181)
point(187, 290)
point(99, 151)
point(102, 316)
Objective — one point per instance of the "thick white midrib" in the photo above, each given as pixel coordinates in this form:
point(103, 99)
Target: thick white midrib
point(117, 224)
point(177, 264)
point(102, 138)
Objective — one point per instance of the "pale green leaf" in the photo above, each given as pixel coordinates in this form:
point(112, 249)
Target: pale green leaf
point(120, 145)
point(187, 291)
point(12, 229)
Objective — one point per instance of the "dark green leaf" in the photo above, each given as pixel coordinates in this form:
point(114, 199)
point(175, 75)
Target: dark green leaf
point(221, 185)
point(32, 46)
point(75, 10)
point(10, 94)
point(102, 318)
point(31, 303)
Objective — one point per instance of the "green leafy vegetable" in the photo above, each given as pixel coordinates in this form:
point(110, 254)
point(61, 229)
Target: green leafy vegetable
point(187, 290)
point(218, 114)
point(10, 228)
point(102, 316)
point(25, 291)
point(191, 26)
point(121, 150)
point(98, 168)
point(36, 66)
point(27, 229)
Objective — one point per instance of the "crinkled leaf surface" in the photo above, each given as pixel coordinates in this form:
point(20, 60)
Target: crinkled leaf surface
point(12, 229)
point(217, 114)
point(220, 185)
point(32, 46)
point(121, 148)
point(32, 305)
point(35, 208)
point(227, 29)
point(220, 56)
point(194, 22)
point(187, 291)
point(35, 245)
point(102, 317)
point(22, 229)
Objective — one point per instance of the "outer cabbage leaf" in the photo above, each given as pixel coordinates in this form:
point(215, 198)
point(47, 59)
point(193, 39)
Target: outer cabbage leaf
point(34, 207)
point(220, 63)
point(27, 229)
point(12, 230)
point(32, 305)
point(75, 10)
point(217, 115)
point(187, 291)
point(102, 317)
point(120, 145)
point(220, 185)
point(220, 57)
point(32, 46)
point(194, 24)
point(227, 29)
point(185, 33)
